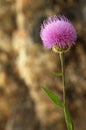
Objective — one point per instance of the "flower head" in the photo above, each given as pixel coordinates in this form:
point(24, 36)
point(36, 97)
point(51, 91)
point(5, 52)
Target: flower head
point(58, 32)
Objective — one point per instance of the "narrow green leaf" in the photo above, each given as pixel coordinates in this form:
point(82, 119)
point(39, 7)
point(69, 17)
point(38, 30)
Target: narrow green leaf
point(58, 74)
point(69, 121)
point(53, 97)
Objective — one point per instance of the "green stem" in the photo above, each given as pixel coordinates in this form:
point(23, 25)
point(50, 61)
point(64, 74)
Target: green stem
point(63, 77)
point(68, 119)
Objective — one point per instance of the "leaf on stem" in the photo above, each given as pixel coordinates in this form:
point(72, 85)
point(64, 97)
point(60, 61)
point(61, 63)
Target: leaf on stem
point(58, 74)
point(69, 121)
point(53, 97)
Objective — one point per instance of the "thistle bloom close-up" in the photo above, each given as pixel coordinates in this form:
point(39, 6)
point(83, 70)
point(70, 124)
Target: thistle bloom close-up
point(58, 31)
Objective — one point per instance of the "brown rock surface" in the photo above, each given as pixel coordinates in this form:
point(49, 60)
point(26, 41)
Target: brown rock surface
point(15, 102)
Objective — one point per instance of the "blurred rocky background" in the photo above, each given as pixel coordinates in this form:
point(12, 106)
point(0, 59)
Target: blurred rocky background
point(25, 65)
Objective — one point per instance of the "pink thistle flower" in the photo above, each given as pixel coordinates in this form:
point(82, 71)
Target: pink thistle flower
point(58, 31)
